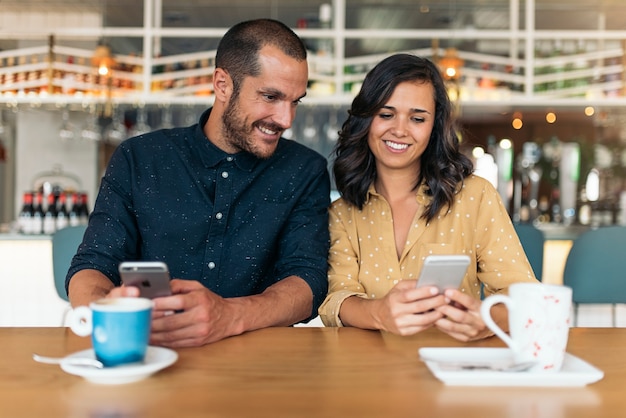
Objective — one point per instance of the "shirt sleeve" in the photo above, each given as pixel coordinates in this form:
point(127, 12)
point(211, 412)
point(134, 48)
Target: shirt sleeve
point(110, 237)
point(343, 262)
point(304, 242)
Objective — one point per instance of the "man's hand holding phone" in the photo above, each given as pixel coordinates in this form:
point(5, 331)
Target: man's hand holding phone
point(152, 278)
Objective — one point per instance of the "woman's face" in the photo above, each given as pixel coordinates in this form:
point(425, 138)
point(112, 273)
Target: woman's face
point(400, 131)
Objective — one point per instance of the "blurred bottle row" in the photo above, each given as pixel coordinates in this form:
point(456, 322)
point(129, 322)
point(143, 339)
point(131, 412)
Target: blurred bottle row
point(47, 213)
point(36, 75)
point(559, 182)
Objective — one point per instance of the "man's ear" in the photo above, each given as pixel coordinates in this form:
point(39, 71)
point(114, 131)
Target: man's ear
point(222, 85)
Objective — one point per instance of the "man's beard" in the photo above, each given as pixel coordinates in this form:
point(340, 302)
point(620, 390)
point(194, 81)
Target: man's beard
point(238, 133)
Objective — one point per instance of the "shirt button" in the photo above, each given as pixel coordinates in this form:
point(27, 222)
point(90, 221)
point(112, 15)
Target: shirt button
point(211, 265)
point(218, 215)
point(229, 158)
point(225, 174)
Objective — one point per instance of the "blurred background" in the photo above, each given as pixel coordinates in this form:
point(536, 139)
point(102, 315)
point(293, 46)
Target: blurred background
point(538, 87)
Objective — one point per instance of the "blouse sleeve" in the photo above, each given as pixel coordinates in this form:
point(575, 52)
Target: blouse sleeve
point(500, 256)
point(343, 264)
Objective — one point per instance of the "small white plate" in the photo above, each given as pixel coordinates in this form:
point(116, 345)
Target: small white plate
point(157, 358)
point(574, 372)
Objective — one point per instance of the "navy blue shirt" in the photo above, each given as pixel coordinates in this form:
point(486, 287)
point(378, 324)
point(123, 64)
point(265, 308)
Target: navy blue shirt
point(234, 222)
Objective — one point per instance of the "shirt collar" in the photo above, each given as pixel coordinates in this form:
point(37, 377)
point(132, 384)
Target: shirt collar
point(421, 196)
point(211, 155)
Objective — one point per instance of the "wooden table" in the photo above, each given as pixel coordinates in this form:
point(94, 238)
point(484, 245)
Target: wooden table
point(299, 372)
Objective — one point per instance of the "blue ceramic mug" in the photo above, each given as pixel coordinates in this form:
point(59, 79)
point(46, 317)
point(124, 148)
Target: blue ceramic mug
point(119, 328)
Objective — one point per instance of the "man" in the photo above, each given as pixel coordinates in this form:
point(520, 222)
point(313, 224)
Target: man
point(237, 213)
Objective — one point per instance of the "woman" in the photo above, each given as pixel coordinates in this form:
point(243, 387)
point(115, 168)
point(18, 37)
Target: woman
point(408, 192)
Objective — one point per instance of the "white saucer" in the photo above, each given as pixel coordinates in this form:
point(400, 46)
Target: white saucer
point(574, 372)
point(157, 358)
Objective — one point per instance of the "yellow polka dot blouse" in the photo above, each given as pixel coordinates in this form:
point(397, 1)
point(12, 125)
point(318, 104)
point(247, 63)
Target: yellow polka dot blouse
point(363, 259)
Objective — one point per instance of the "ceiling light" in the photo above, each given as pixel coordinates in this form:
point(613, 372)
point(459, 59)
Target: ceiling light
point(102, 59)
point(450, 64)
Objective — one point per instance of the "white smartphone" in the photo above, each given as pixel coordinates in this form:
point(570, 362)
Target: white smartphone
point(151, 277)
point(443, 271)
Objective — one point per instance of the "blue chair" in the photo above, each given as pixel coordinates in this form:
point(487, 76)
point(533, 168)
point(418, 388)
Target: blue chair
point(65, 242)
point(533, 241)
point(595, 268)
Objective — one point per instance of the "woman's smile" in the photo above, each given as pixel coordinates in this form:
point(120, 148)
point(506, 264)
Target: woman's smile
point(396, 146)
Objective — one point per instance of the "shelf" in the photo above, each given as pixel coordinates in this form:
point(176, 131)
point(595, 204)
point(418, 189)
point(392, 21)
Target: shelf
point(534, 73)
point(186, 79)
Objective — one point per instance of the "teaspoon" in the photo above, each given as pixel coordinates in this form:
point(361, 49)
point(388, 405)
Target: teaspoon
point(512, 367)
point(74, 361)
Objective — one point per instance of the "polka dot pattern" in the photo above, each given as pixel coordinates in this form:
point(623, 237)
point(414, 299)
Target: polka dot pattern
point(363, 259)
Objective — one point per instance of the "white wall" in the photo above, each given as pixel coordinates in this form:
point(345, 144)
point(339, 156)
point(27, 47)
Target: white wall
point(39, 150)
point(29, 297)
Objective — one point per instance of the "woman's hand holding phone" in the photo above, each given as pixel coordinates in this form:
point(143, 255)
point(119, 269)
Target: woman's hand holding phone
point(443, 271)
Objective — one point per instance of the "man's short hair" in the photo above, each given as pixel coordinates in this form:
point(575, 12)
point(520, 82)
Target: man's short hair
point(238, 51)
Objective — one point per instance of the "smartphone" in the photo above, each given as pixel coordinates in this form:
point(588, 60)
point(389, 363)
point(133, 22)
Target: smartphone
point(151, 277)
point(443, 271)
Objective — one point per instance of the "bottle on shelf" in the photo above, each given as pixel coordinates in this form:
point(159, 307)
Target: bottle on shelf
point(83, 215)
point(50, 216)
point(581, 64)
point(621, 214)
point(556, 213)
point(205, 80)
point(191, 80)
point(57, 77)
point(542, 51)
point(82, 79)
point(157, 85)
point(25, 217)
point(22, 76)
point(122, 74)
point(558, 66)
point(138, 73)
point(169, 82)
point(8, 81)
point(612, 78)
point(324, 63)
point(485, 82)
point(179, 82)
point(607, 214)
point(3, 75)
point(38, 214)
point(62, 219)
point(4, 154)
point(73, 215)
point(33, 77)
point(68, 84)
point(584, 210)
point(545, 214)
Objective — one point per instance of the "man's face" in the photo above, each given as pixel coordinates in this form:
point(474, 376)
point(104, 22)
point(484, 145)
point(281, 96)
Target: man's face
point(265, 106)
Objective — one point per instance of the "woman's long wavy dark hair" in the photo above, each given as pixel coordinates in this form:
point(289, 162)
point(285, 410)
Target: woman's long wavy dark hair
point(443, 166)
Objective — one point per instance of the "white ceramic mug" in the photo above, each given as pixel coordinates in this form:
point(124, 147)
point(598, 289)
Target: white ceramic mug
point(539, 322)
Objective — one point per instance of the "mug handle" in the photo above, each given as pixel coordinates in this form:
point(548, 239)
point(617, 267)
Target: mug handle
point(485, 313)
point(80, 321)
